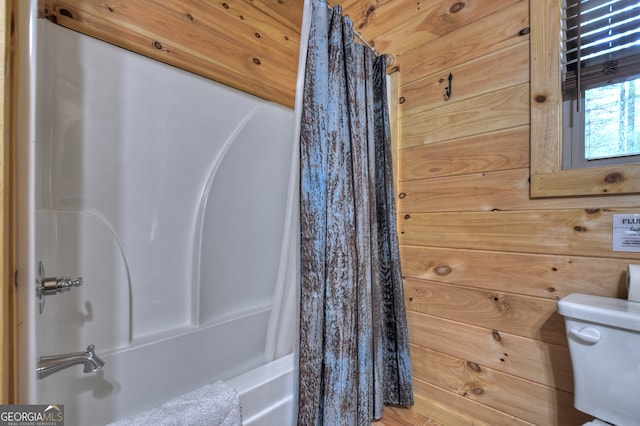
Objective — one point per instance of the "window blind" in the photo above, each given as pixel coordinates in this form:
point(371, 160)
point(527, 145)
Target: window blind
point(600, 40)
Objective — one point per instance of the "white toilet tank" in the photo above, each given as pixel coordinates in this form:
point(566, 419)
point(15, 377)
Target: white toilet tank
point(604, 342)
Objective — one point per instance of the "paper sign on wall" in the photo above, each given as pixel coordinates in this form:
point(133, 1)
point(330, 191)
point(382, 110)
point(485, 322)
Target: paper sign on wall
point(626, 232)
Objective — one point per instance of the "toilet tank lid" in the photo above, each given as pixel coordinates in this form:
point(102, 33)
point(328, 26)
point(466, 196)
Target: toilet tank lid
point(601, 310)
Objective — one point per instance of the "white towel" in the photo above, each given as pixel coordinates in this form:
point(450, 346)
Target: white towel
point(217, 404)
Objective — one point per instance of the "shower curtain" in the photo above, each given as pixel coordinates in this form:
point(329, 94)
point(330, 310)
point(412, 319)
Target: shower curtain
point(353, 354)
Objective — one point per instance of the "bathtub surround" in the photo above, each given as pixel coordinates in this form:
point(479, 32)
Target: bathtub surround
point(353, 350)
point(282, 333)
point(166, 192)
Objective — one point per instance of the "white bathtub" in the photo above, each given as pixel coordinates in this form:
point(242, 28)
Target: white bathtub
point(266, 393)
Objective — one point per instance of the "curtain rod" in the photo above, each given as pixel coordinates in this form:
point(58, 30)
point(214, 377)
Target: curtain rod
point(388, 57)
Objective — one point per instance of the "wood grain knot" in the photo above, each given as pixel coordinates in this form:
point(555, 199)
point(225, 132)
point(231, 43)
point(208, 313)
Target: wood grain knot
point(65, 12)
point(257, 35)
point(475, 367)
point(540, 98)
point(256, 61)
point(477, 390)
point(407, 216)
point(365, 17)
point(157, 45)
point(614, 177)
point(457, 7)
point(579, 228)
point(402, 195)
point(551, 289)
point(592, 211)
point(442, 270)
point(402, 100)
point(496, 336)
point(524, 31)
point(226, 6)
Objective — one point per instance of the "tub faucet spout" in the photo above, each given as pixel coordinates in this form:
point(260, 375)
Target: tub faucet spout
point(48, 365)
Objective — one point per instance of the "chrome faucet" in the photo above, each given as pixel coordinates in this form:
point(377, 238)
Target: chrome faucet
point(48, 365)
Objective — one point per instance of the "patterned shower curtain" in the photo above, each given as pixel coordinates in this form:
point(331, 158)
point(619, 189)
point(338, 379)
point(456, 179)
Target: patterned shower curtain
point(353, 353)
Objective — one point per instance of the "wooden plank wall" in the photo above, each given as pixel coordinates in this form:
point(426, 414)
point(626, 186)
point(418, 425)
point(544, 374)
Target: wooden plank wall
point(5, 318)
point(251, 45)
point(8, 128)
point(483, 263)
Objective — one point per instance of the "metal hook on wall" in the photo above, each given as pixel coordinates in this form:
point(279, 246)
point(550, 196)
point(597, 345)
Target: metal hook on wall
point(448, 90)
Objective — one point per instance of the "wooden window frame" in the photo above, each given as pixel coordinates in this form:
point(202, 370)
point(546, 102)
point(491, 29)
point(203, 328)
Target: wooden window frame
point(548, 179)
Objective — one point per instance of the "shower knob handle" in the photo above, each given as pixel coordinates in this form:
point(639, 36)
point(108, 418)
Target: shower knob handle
point(49, 286)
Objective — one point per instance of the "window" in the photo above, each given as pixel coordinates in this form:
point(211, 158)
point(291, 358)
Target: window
point(601, 82)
